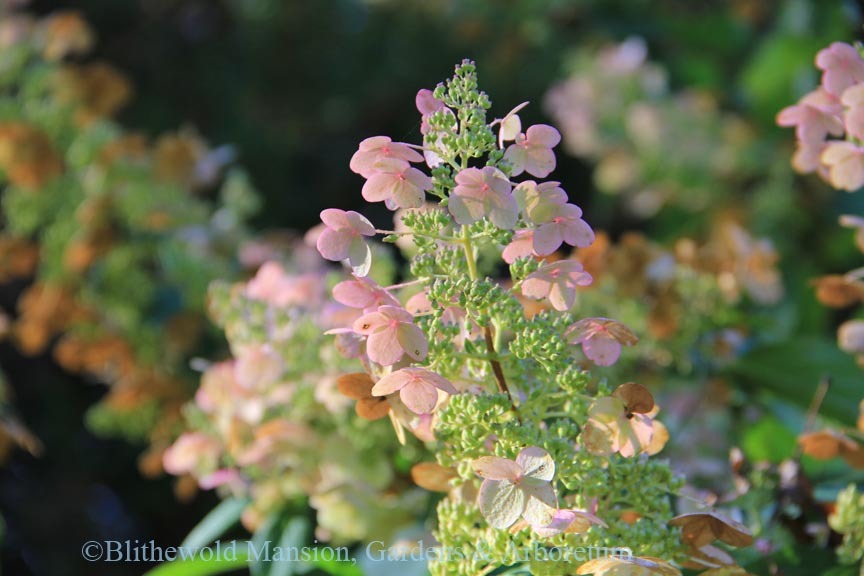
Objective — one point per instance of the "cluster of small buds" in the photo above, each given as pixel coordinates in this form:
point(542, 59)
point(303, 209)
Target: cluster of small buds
point(834, 109)
point(459, 359)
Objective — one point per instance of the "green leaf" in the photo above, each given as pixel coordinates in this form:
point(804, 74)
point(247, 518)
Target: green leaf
point(216, 523)
point(199, 567)
point(293, 537)
point(768, 441)
point(793, 370)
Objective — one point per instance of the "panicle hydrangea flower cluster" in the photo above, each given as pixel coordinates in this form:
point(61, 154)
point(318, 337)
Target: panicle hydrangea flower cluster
point(836, 109)
point(526, 452)
point(829, 128)
point(829, 121)
point(275, 421)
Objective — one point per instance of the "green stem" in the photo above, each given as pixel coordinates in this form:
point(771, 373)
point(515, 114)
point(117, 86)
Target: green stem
point(497, 370)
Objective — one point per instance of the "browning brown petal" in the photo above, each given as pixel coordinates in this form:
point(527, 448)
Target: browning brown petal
point(636, 397)
point(702, 528)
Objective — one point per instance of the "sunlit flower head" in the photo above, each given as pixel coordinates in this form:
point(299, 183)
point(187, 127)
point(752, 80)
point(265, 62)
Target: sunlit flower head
point(391, 334)
point(620, 423)
point(482, 193)
point(363, 293)
point(342, 239)
point(396, 184)
point(418, 388)
point(373, 151)
point(532, 151)
point(556, 282)
point(601, 339)
point(517, 488)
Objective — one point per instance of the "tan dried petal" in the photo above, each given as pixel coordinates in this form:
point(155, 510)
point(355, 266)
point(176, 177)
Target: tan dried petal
point(432, 476)
point(861, 417)
point(708, 556)
point(827, 444)
point(838, 291)
point(702, 528)
point(358, 386)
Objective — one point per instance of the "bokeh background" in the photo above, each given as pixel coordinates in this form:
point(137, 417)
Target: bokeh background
point(293, 85)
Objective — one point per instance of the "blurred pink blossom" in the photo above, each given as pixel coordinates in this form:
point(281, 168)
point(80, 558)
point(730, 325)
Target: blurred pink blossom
point(192, 452)
point(814, 117)
point(842, 67)
point(845, 162)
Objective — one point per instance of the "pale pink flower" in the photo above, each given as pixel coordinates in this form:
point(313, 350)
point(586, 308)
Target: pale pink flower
point(192, 452)
point(418, 388)
point(814, 117)
point(272, 285)
point(539, 202)
point(342, 239)
point(363, 293)
point(274, 438)
point(521, 246)
point(217, 385)
point(391, 334)
point(842, 67)
point(373, 150)
point(850, 336)
point(335, 315)
point(568, 521)
point(532, 151)
point(807, 157)
point(397, 184)
point(517, 488)
point(601, 339)
point(221, 477)
point(556, 281)
point(567, 226)
point(258, 366)
point(853, 99)
point(620, 423)
point(510, 126)
point(427, 105)
point(845, 161)
point(483, 192)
